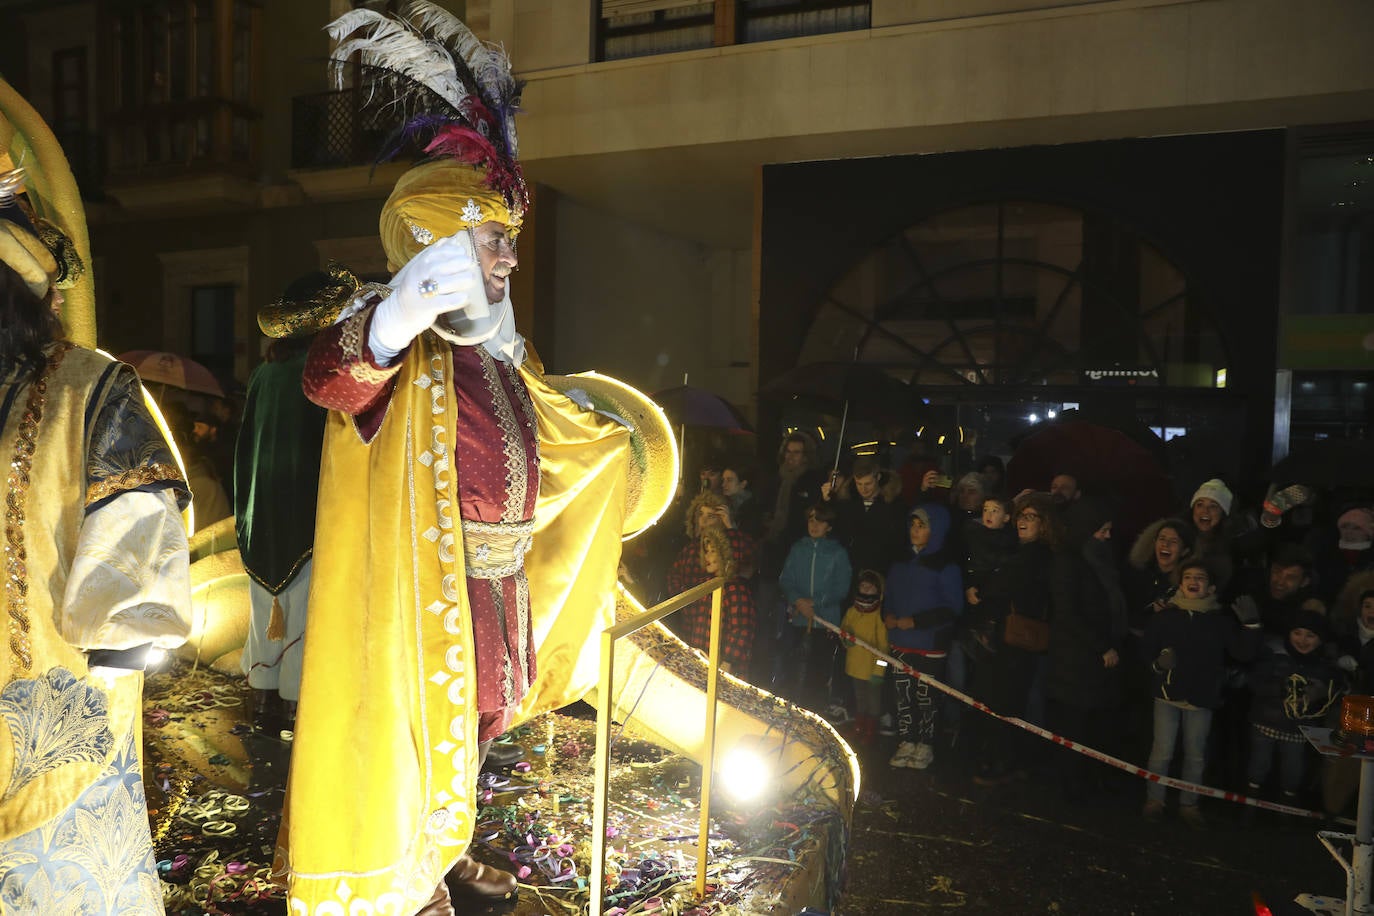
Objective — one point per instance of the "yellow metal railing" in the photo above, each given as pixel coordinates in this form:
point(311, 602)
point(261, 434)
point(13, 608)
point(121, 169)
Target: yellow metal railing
point(597, 878)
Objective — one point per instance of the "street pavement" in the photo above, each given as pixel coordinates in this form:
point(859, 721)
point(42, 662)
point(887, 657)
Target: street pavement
point(932, 841)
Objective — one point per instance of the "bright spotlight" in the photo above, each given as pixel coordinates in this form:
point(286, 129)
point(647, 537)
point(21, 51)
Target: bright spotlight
point(1050, 414)
point(1034, 418)
point(744, 774)
point(748, 769)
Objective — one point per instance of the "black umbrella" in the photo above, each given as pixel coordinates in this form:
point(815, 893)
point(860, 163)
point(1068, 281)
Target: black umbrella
point(868, 391)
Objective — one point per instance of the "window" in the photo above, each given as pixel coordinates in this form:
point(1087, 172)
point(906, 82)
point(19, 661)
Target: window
point(1019, 293)
point(1331, 404)
point(183, 90)
point(1335, 226)
point(634, 28)
point(769, 20)
point(212, 328)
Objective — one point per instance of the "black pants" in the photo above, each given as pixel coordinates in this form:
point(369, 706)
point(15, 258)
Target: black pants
point(809, 660)
point(1079, 775)
point(1004, 682)
point(917, 701)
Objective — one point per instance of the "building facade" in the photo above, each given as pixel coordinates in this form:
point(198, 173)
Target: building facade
point(1158, 207)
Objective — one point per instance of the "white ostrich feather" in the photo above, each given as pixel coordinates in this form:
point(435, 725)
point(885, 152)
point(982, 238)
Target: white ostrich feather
point(396, 46)
point(489, 63)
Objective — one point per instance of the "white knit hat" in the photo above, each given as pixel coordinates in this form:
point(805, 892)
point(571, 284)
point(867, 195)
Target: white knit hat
point(1214, 489)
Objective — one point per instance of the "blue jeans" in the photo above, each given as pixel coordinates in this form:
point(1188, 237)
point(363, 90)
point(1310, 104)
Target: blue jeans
point(1196, 724)
point(1292, 761)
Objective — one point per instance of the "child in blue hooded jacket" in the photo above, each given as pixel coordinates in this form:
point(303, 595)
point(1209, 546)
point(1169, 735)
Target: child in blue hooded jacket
point(925, 595)
point(814, 581)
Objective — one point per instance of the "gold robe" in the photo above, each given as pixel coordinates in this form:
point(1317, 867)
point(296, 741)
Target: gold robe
point(79, 577)
point(380, 798)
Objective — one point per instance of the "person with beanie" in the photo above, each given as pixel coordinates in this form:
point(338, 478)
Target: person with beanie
point(1210, 511)
point(864, 620)
point(1294, 682)
point(1187, 644)
point(1351, 555)
point(925, 596)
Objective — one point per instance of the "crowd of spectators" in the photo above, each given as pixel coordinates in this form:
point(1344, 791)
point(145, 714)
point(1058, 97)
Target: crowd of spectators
point(1198, 649)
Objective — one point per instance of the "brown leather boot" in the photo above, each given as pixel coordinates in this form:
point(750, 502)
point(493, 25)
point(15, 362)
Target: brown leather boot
point(470, 878)
point(439, 904)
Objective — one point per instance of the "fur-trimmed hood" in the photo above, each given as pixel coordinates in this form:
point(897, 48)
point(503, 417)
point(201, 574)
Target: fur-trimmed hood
point(1142, 553)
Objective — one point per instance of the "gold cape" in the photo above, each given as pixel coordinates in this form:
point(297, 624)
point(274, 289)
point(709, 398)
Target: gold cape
point(380, 796)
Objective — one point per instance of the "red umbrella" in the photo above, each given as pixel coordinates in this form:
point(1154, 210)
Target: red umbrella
point(155, 366)
point(1107, 463)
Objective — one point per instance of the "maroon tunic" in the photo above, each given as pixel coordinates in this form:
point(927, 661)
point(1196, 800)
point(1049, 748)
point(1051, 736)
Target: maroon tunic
point(496, 462)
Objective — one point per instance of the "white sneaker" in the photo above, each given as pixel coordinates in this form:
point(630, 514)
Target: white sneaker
point(922, 757)
point(885, 726)
point(837, 714)
point(905, 756)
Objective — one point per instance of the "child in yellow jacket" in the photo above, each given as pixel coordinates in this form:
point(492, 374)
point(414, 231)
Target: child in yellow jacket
point(864, 620)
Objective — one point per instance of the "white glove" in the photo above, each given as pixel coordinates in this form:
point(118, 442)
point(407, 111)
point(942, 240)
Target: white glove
point(453, 278)
point(1348, 664)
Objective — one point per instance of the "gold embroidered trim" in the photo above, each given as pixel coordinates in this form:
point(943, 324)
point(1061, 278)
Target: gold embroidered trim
point(132, 480)
point(498, 600)
point(351, 343)
point(16, 557)
point(370, 375)
point(522, 625)
point(285, 318)
point(512, 442)
point(280, 587)
point(351, 337)
point(522, 396)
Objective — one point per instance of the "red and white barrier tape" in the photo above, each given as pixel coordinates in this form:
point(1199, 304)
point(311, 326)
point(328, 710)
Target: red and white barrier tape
point(1095, 754)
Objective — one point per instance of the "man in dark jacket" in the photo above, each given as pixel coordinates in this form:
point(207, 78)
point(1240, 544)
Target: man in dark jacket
point(870, 519)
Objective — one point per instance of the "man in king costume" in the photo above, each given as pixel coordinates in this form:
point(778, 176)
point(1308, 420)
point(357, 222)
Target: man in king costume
point(470, 515)
point(96, 574)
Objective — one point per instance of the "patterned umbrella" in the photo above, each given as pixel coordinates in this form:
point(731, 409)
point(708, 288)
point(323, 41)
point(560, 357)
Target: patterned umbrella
point(157, 367)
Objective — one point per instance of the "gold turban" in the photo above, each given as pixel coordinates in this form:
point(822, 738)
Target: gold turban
point(433, 201)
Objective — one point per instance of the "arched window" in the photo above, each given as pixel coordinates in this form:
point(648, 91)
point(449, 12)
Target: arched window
point(1021, 293)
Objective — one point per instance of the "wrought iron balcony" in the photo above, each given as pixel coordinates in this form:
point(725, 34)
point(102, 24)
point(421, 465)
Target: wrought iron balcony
point(328, 130)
